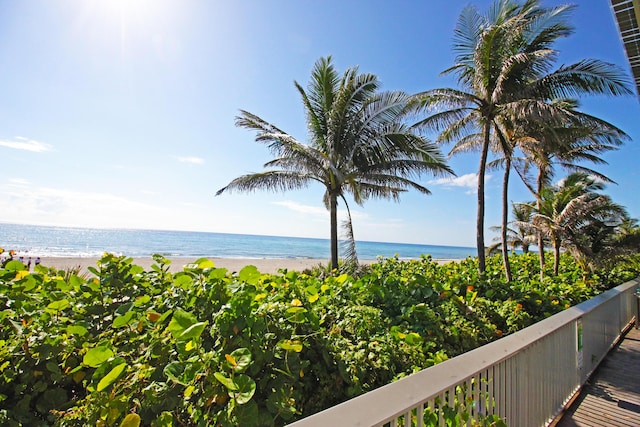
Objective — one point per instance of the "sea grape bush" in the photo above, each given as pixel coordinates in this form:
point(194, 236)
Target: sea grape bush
point(205, 346)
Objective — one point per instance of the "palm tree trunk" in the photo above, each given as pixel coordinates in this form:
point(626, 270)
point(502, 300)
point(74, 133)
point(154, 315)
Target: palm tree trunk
point(505, 214)
point(556, 256)
point(480, 218)
point(540, 236)
point(333, 213)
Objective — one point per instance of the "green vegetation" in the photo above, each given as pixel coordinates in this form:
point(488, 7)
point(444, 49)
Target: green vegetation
point(202, 346)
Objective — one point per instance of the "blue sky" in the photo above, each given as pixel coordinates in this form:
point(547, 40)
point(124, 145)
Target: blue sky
point(120, 114)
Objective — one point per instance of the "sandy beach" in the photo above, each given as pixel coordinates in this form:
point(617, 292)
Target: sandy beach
point(264, 265)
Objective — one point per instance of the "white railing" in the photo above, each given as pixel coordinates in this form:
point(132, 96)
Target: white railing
point(525, 378)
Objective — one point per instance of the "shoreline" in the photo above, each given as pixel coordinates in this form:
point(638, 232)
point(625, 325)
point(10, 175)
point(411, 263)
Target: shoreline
point(264, 265)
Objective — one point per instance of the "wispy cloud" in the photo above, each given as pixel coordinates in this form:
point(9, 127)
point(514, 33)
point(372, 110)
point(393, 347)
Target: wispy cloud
point(297, 207)
point(21, 202)
point(192, 160)
point(26, 144)
point(18, 182)
point(468, 181)
point(320, 211)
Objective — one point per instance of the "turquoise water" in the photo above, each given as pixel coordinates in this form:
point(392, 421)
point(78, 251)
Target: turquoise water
point(90, 242)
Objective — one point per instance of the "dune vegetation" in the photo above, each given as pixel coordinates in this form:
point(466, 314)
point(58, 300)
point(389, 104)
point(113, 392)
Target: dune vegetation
point(124, 346)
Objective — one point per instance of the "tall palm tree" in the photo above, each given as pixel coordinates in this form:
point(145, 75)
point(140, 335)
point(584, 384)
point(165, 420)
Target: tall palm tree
point(503, 64)
point(358, 144)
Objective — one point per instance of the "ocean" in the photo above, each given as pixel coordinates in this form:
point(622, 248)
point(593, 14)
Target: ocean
point(43, 241)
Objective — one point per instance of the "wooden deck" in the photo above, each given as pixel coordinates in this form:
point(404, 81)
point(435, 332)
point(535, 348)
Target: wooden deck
point(612, 396)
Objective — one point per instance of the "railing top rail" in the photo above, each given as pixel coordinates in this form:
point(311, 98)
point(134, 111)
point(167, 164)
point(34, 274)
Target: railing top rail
point(391, 400)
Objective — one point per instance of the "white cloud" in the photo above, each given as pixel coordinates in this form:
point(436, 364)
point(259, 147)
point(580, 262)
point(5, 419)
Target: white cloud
point(297, 207)
point(320, 211)
point(192, 160)
point(468, 181)
point(26, 144)
point(24, 203)
point(18, 182)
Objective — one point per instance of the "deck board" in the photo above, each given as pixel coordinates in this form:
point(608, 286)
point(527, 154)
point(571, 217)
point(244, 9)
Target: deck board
point(612, 396)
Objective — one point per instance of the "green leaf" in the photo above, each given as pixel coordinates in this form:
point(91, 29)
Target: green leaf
point(121, 321)
point(28, 283)
point(218, 273)
point(183, 281)
point(312, 293)
point(97, 356)
point(63, 286)
point(227, 382)
point(124, 308)
point(249, 274)
point(291, 345)
point(57, 306)
point(193, 331)
point(113, 375)
point(14, 266)
point(204, 263)
point(131, 420)
point(77, 330)
point(180, 322)
point(183, 373)
point(297, 314)
point(242, 358)
point(245, 387)
point(142, 300)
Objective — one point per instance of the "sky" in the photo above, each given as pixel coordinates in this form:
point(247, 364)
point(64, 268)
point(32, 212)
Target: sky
point(120, 113)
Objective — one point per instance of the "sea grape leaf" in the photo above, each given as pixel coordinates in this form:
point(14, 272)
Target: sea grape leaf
point(182, 280)
point(297, 314)
point(291, 345)
point(131, 420)
point(204, 263)
point(312, 293)
point(57, 306)
point(245, 388)
point(124, 320)
point(225, 381)
point(183, 372)
point(96, 356)
point(63, 285)
point(124, 308)
point(180, 322)
point(142, 300)
point(28, 282)
point(193, 332)
point(113, 375)
point(14, 266)
point(239, 359)
point(218, 273)
point(249, 274)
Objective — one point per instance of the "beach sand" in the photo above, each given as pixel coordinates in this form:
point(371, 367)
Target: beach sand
point(264, 265)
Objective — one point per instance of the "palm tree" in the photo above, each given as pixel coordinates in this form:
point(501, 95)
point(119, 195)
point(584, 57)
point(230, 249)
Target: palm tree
point(567, 212)
point(567, 141)
point(358, 144)
point(503, 65)
point(519, 233)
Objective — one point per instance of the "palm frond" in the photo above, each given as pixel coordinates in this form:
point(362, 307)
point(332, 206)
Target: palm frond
point(270, 180)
